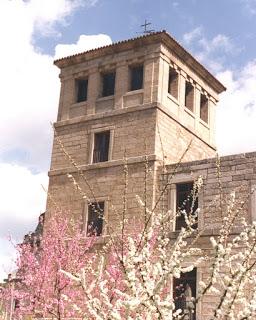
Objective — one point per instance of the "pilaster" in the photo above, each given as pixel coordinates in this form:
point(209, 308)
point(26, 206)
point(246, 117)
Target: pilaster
point(93, 89)
point(122, 83)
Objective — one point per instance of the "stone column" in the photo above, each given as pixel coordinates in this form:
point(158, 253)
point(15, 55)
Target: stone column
point(163, 81)
point(253, 203)
point(172, 201)
point(93, 89)
point(67, 97)
point(197, 100)
point(182, 88)
point(211, 119)
point(149, 81)
point(121, 84)
point(60, 108)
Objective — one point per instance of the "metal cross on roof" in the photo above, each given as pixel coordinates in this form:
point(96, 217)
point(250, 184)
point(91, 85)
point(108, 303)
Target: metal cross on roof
point(145, 25)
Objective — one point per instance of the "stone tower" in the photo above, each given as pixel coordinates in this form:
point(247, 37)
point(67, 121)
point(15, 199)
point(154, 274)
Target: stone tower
point(138, 101)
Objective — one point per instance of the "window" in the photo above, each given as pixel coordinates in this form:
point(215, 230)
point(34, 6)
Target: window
point(101, 146)
point(204, 108)
point(186, 202)
point(16, 304)
point(136, 77)
point(95, 219)
point(184, 293)
point(189, 96)
point(108, 84)
point(173, 83)
point(81, 90)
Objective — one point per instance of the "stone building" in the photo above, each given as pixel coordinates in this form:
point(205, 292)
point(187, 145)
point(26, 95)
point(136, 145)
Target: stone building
point(144, 97)
point(139, 100)
point(238, 174)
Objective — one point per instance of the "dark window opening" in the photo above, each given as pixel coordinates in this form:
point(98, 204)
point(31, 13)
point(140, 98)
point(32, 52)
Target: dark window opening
point(101, 146)
point(184, 294)
point(186, 202)
point(16, 304)
point(81, 89)
point(108, 84)
point(136, 78)
point(173, 83)
point(189, 96)
point(204, 108)
point(95, 219)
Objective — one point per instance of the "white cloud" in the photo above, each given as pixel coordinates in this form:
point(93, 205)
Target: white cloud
point(21, 195)
point(211, 52)
point(29, 81)
point(84, 43)
point(192, 35)
point(236, 112)
point(250, 6)
point(7, 261)
point(45, 14)
point(29, 102)
point(22, 200)
point(218, 43)
point(175, 4)
point(29, 99)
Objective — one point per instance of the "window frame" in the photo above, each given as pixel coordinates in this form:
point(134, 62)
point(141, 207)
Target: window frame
point(103, 75)
point(131, 68)
point(203, 106)
point(106, 149)
point(196, 283)
point(100, 205)
point(172, 195)
point(181, 220)
point(192, 88)
point(77, 80)
point(85, 214)
point(92, 142)
point(172, 70)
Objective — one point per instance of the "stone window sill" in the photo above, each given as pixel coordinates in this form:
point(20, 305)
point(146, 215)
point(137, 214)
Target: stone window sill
point(205, 124)
point(105, 98)
point(191, 113)
point(129, 93)
point(171, 97)
point(79, 104)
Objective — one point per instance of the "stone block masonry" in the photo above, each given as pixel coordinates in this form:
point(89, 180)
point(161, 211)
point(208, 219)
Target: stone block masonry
point(138, 123)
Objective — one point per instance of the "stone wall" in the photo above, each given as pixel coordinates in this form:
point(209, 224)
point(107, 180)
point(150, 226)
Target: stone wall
point(146, 126)
point(107, 183)
point(92, 70)
point(133, 136)
point(172, 139)
point(238, 174)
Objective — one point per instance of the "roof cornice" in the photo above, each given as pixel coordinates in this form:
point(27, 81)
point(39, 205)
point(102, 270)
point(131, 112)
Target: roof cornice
point(161, 37)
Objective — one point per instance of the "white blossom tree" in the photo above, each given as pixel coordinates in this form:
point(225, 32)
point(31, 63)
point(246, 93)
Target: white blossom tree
point(134, 275)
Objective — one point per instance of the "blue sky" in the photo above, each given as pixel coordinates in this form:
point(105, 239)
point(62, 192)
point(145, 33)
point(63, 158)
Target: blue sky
point(121, 19)
point(220, 33)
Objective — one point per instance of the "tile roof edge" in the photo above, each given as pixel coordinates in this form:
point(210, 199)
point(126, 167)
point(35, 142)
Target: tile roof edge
point(110, 45)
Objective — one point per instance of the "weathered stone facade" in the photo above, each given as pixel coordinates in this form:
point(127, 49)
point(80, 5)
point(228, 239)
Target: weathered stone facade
point(238, 174)
point(145, 122)
point(149, 125)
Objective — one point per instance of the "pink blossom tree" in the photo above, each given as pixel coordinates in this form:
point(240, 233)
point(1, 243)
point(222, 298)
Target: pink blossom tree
point(133, 275)
point(40, 289)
